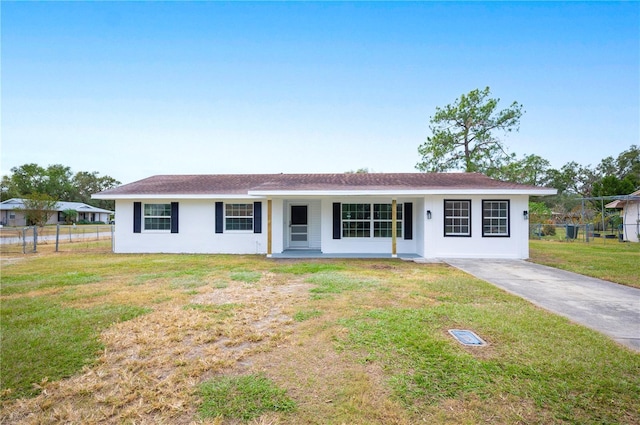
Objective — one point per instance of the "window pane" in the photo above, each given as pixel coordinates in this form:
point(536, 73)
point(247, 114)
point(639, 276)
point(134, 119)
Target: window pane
point(495, 218)
point(457, 220)
point(157, 216)
point(239, 223)
point(356, 211)
point(238, 216)
point(157, 223)
point(356, 229)
point(239, 210)
point(157, 210)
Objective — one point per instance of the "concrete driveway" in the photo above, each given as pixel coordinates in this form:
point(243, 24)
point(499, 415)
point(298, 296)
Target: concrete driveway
point(606, 307)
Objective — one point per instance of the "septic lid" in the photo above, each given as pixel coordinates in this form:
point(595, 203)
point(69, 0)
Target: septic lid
point(467, 337)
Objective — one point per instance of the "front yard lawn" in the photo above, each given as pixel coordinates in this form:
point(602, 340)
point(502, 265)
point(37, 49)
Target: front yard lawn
point(90, 338)
point(606, 259)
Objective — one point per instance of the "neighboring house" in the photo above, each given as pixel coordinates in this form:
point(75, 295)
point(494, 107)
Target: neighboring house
point(12, 212)
point(630, 213)
point(435, 215)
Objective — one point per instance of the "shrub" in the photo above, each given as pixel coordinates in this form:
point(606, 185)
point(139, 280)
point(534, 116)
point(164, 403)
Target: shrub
point(548, 230)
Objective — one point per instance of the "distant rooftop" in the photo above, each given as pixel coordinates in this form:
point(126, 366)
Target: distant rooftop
point(18, 203)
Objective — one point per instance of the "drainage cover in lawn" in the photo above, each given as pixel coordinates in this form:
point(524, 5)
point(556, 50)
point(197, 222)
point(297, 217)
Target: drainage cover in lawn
point(467, 337)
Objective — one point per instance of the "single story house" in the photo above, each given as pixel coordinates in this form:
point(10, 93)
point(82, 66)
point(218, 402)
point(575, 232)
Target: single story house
point(428, 215)
point(629, 206)
point(12, 212)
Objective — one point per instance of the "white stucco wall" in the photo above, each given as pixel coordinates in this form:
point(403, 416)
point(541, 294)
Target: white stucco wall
point(196, 231)
point(363, 245)
point(436, 245)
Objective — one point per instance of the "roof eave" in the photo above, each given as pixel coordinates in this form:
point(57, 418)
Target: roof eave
point(172, 196)
point(260, 194)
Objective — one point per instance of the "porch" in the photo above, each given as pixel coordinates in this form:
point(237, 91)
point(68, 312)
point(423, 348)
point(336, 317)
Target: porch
point(313, 253)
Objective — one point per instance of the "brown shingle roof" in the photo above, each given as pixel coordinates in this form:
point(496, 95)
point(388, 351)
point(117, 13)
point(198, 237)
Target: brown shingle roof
point(238, 184)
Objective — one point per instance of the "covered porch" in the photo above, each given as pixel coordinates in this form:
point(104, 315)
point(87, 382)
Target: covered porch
point(313, 253)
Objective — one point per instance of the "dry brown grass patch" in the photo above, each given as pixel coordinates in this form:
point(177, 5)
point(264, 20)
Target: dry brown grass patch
point(151, 366)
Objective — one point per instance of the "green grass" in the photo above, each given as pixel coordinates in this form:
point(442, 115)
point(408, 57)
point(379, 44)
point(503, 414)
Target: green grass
point(604, 259)
point(34, 281)
point(309, 267)
point(378, 340)
point(301, 316)
point(561, 368)
point(42, 340)
point(337, 283)
point(242, 397)
point(245, 276)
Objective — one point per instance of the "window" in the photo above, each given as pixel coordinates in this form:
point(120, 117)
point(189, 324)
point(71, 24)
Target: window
point(382, 220)
point(457, 218)
point(238, 217)
point(157, 216)
point(495, 218)
point(357, 220)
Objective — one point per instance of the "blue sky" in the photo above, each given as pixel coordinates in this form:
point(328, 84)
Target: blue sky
point(133, 89)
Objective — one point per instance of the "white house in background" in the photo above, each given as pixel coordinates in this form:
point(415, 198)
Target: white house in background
point(12, 212)
point(630, 213)
point(429, 215)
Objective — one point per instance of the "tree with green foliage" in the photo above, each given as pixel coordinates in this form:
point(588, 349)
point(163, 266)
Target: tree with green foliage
point(619, 176)
point(39, 208)
point(531, 169)
point(464, 134)
point(58, 181)
point(574, 178)
point(88, 183)
point(70, 216)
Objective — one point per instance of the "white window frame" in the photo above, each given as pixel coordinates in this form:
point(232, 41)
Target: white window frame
point(369, 221)
point(346, 218)
point(167, 218)
point(497, 219)
point(455, 220)
point(238, 207)
point(389, 220)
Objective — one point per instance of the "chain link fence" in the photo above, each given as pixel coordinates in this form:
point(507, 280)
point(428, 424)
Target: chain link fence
point(574, 232)
point(59, 238)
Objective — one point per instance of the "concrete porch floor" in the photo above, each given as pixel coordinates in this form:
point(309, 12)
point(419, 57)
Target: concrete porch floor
point(311, 253)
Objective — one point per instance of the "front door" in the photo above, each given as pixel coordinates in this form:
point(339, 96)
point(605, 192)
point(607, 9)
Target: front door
point(299, 227)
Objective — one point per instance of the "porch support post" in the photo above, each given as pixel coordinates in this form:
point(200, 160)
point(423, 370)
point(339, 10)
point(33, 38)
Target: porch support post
point(269, 234)
point(394, 225)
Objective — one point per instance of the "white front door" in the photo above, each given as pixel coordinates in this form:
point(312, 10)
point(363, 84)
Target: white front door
point(299, 226)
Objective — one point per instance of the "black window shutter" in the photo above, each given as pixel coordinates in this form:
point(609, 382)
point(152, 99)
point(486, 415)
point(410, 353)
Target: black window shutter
point(219, 217)
point(137, 217)
point(257, 217)
point(408, 220)
point(174, 217)
point(336, 220)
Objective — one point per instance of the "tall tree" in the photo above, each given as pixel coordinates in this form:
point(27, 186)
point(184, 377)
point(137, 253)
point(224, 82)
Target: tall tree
point(531, 169)
point(574, 178)
point(628, 165)
point(464, 134)
point(27, 179)
point(88, 183)
point(24, 180)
